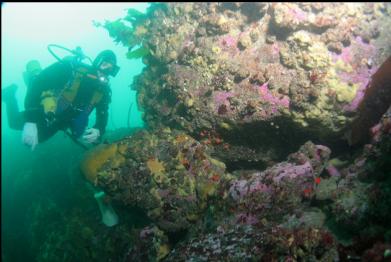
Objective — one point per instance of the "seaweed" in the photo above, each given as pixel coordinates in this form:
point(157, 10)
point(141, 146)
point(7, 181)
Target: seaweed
point(138, 53)
point(134, 14)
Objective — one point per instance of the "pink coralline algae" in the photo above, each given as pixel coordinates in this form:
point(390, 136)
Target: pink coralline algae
point(275, 49)
point(345, 55)
point(333, 171)
point(147, 231)
point(362, 49)
point(361, 73)
point(292, 171)
point(321, 152)
point(238, 189)
point(298, 14)
point(376, 100)
point(228, 41)
point(241, 188)
point(221, 98)
point(267, 96)
point(246, 219)
point(383, 128)
point(257, 186)
point(362, 77)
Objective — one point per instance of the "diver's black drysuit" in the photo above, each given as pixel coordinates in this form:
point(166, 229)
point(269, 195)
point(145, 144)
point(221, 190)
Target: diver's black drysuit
point(77, 91)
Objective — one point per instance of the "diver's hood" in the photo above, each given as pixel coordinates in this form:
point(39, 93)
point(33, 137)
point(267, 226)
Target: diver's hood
point(109, 57)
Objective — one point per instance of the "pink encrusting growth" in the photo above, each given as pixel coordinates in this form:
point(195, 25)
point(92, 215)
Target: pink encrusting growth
point(363, 78)
point(298, 14)
point(376, 132)
point(241, 188)
point(263, 184)
point(267, 96)
point(238, 189)
point(228, 41)
point(275, 49)
point(291, 171)
point(145, 232)
point(321, 151)
point(221, 98)
point(345, 55)
point(332, 170)
point(258, 186)
point(248, 219)
point(361, 74)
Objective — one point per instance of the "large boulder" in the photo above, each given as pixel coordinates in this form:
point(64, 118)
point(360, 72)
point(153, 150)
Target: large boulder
point(167, 174)
point(264, 77)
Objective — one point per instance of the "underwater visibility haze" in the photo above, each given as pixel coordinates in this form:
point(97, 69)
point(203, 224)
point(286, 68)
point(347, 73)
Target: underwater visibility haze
point(196, 131)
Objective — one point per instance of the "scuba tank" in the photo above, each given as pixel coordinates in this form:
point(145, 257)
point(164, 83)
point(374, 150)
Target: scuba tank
point(81, 64)
point(77, 60)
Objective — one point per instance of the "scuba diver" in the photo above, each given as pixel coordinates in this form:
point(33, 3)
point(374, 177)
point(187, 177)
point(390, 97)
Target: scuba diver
point(61, 97)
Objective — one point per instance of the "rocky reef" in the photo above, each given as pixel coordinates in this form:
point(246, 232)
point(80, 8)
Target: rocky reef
point(256, 77)
point(249, 109)
point(309, 207)
point(168, 175)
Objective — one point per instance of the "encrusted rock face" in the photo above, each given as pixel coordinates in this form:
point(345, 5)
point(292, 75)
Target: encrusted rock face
point(275, 200)
point(246, 243)
point(285, 70)
point(248, 83)
point(294, 203)
point(283, 189)
point(169, 175)
point(360, 191)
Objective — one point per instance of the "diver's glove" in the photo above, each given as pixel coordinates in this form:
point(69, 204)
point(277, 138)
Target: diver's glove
point(30, 135)
point(91, 135)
